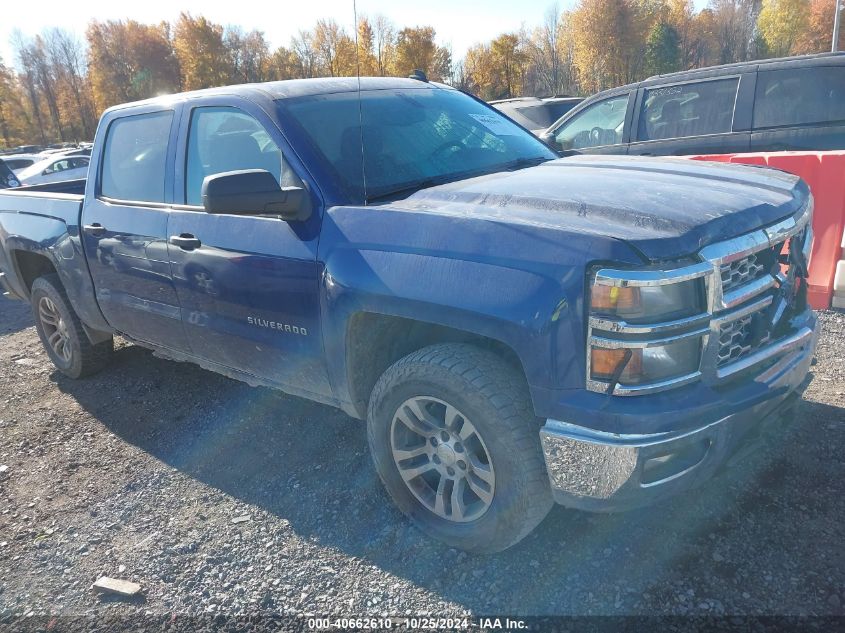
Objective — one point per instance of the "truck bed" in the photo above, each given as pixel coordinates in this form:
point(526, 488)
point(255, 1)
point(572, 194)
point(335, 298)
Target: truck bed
point(38, 218)
point(58, 200)
point(76, 187)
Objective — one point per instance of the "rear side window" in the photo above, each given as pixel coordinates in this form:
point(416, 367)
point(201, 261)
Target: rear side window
point(799, 97)
point(692, 109)
point(19, 163)
point(68, 163)
point(135, 156)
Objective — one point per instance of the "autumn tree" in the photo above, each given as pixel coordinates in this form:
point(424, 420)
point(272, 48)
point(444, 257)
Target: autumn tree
point(416, 49)
point(645, 16)
point(384, 44)
point(818, 35)
point(128, 61)
point(41, 84)
point(367, 60)
point(284, 64)
point(198, 44)
point(681, 17)
point(734, 24)
point(66, 56)
point(602, 43)
point(15, 123)
point(248, 55)
point(782, 23)
point(335, 50)
point(550, 69)
point(304, 51)
point(510, 59)
point(662, 53)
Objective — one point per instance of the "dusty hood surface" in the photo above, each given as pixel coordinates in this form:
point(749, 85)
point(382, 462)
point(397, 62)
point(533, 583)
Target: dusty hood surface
point(664, 207)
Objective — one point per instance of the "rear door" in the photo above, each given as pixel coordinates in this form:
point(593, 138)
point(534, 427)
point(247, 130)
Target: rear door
point(691, 117)
point(125, 228)
point(799, 108)
point(248, 285)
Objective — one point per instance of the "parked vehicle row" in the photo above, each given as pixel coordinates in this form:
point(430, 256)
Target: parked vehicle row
point(51, 166)
point(515, 328)
point(536, 114)
point(771, 105)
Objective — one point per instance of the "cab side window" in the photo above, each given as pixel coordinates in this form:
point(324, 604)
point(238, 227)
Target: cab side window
point(692, 109)
point(599, 124)
point(135, 157)
point(799, 97)
point(224, 139)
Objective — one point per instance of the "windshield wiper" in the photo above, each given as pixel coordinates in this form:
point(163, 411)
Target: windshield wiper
point(522, 163)
point(409, 188)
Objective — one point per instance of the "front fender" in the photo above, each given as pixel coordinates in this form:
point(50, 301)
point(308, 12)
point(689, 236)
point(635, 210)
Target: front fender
point(523, 287)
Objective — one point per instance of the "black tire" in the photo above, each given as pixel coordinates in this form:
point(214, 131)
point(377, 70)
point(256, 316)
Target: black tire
point(83, 357)
point(494, 396)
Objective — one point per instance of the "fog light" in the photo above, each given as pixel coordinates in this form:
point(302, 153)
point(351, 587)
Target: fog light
point(645, 365)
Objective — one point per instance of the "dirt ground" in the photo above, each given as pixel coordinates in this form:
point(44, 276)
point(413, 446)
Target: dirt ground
point(219, 498)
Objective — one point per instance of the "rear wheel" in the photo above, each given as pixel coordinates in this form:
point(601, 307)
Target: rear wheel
point(61, 331)
point(455, 441)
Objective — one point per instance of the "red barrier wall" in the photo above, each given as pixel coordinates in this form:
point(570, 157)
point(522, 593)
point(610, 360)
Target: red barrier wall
point(824, 172)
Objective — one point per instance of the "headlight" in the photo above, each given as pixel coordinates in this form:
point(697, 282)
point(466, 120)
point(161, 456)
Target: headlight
point(644, 327)
point(648, 304)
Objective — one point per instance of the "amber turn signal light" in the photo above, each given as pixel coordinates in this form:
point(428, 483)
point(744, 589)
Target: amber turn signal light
point(614, 298)
point(605, 363)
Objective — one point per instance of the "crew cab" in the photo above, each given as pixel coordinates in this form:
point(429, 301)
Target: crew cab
point(516, 329)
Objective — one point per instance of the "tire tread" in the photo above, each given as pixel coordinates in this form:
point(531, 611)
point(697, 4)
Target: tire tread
point(505, 389)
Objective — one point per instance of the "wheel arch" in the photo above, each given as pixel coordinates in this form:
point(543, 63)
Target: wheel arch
point(374, 341)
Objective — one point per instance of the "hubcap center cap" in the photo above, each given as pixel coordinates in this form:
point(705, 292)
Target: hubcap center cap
point(446, 454)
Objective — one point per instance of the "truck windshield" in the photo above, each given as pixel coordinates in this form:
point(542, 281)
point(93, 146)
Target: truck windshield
point(411, 138)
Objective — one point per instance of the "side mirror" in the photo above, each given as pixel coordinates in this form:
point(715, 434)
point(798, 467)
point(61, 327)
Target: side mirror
point(549, 139)
point(254, 192)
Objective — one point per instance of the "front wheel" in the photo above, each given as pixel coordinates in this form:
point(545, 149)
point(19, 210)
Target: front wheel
point(455, 441)
point(61, 331)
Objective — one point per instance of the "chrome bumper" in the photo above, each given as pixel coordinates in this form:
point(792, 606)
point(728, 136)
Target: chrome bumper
point(599, 471)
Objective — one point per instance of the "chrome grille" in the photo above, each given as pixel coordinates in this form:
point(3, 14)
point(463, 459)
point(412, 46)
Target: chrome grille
point(753, 285)
point(736, 339)
point(738, 273)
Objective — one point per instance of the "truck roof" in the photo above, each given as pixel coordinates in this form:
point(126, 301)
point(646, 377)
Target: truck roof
point(290, 88)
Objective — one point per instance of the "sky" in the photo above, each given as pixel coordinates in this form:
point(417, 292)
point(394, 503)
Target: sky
point(459, 23)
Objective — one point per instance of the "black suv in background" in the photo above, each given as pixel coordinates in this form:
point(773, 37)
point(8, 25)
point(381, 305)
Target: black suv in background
point(792, 103)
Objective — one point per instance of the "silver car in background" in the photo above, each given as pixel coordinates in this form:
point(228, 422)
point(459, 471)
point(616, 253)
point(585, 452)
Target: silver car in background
point(55, 169)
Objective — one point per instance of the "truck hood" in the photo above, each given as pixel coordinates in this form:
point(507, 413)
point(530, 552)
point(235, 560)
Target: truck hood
point(663, 207)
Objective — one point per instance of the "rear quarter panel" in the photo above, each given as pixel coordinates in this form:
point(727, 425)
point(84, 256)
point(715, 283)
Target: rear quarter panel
point(47, 224)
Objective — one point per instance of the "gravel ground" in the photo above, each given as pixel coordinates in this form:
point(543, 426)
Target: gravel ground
point(220, 498)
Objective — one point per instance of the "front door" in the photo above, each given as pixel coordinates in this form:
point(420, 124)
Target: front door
point(125, 231)
point(248, 285)
point(598, 128)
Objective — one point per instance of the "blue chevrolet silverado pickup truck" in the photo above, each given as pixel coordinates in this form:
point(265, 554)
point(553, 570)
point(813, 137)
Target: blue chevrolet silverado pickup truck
point(516, 329)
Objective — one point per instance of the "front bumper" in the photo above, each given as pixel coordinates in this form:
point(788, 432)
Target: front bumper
point(600, 471)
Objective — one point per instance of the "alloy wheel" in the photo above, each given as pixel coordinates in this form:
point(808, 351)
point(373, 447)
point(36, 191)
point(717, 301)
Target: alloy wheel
point(442, 459)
